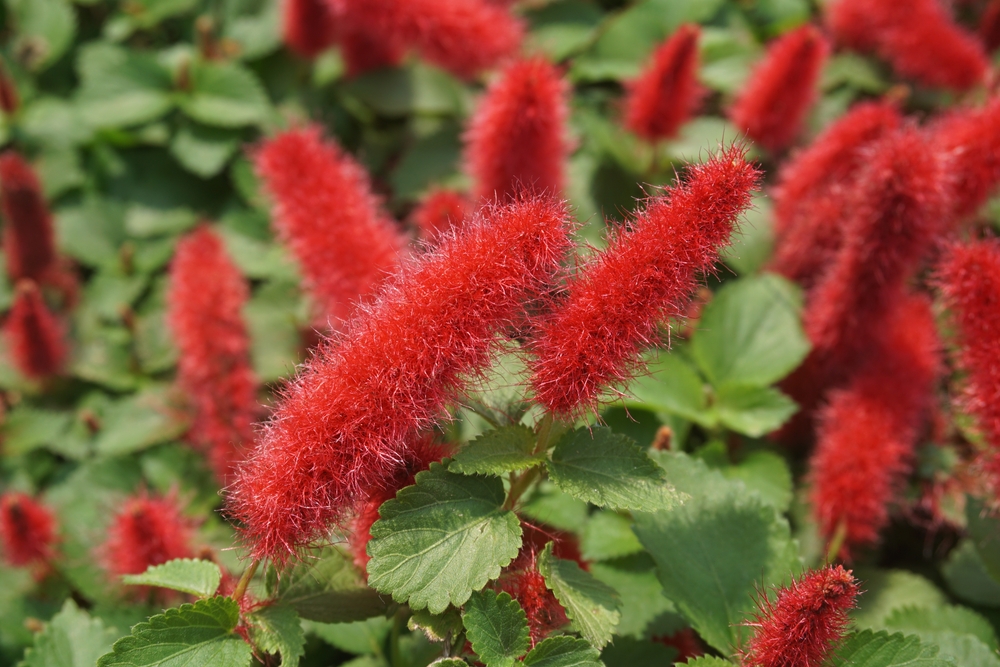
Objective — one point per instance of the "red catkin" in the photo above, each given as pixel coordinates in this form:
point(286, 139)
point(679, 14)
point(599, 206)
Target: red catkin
point(148, 530)
point(517, 137)
point(205, 299)
point(27, 530)
point(346, 422)
point(667, 92)
point(618, 299)
point(28, 238)
point(803, 625)
point(970, 140)
point(774, 102)
point(325, 212)
point(439, 211)
point(309, 26)
point(34, 335)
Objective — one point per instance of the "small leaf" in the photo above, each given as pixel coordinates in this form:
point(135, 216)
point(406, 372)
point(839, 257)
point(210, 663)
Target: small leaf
point(275, 629)
point(194, 634)
point(71, 639)
point(225, 95)
point(120, 88)
point(753, 411)
point(871, 649)
point(497, 628)
point(591, 604)
point(197, 577)
point(326, 587)
point(501, 450)
point(563, 652)
point(441, 539)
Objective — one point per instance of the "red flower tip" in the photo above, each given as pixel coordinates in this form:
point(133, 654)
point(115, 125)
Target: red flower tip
point(28, 239)
point(614, 304)
point(439, 211)
point(205, 299)
point(34, 335)
point(325, 212)
point(147, 531)
point(310, 27)
point(10, 101)
point(970, 141)
point(349, 418)
point(667, 92)
point(27, 530)
point(782, 88)
point(517, 136)
point(802, 627)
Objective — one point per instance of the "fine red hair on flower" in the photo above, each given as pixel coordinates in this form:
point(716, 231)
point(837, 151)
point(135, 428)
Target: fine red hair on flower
point(28, 239)
point(617, 300)
point(34, 335)
point(517, 136)
point(970, 140)
point(10, 101)
point(803, 625)
point(667, 92)
point(27, 530)
point(346, 422)
point(325, 212)
point(148, 530)
point(309, 26)
point(439, 211)
point(205, 299)
point(782, 88)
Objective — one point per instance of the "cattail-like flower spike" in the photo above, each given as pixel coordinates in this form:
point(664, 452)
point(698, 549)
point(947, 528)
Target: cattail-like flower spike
point(205, 300)
point(310, 26)
point(517, 136)
point(616, 302)
point(10, 101)
point(667, 92)
point(148, 530)
point(28, 239)
point(970, 140)
point(439, 211)
point(27, 530)
point(773, 105)
point(34, 335)
point(325, 212)
point(802, 626)
point(349, 418)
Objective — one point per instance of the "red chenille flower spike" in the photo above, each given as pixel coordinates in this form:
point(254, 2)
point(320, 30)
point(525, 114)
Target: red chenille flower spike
point(28, 240)
point(517, 137)
point(27, 530)
point(970, 140)
point(667, 92)
point(615, 303)
point(34, 335)
point(349, 418)
point(147, 531)
point(310, 27)
point(205, 300)
point(325, 212)
point(782, 88)
point(439, 211)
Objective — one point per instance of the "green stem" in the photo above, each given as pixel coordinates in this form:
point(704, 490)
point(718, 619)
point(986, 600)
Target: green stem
point(244, 582)
point(836, 542)
point(543, 433)
point(519, 485)
point(395, 654)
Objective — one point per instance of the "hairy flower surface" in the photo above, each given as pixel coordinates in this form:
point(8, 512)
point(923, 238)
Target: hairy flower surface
point(205, 300)
point(666, 93)
point(325, 212)
point(970, 140)
point(517, 137)
point(346, 422)
point(34, 335)
point(618, 299)
point(439, 211)
point(148, 530)
point(27, 530)
point(802, 626)
point(28, 239)
point(779, 93)
point(310, 27)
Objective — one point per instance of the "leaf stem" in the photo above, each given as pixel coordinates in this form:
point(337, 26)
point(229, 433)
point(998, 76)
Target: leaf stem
point(244, 582)
point(836, 541)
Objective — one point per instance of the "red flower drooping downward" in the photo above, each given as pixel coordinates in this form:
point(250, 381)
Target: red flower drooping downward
point(28, 239)
point(27, 530)
point(204, 309)
point(349, 418)
point(667, 92)
point(147, 531)
point(310, 27)
point(34, 335)
point(969, 140)
point(802, 626)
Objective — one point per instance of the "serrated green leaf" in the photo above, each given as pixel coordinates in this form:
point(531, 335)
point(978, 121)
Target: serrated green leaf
point(449, 662)
point(563, 652)
point(497, 628)
point(889, 590)
point(326, 587)
point(360, 637)
point(640, 592)
point(609, 470)
point(441, 539)
point(591, 604)
point(708, 661)
point(880, 649)
point(45, 29)
point(120, 88)
point(961, 650)
point(197, 577)
point(950, 618)
point(193, 634)
point(501, 450)
point(967, 576)
point(275, 629)
point(204, 150)
point(225, 95)
point(71, 639)
point(608, 535)
point(753, 411)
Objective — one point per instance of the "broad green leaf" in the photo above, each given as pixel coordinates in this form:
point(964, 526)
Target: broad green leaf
point(967, 576)
point(753, 411)
point(880, 649)
point(853, 70)
point(109, 292)
point(139, 421)
point(563, 28)
point(402, 91)
point(257, 33)
point(497, 628)
point(275, 343)
point(708, 661)
point(767, 474)
point(52, 121)
point(950, 618)
point(193, 634)
point(889, 590)
point(44, 29)
point(197, 577)
point(750, 333)
point(640, 591)
point(120, 88)
point(326, 587)
point(275, 629)
point(71, 639)
point(144, 222)
point(591, 604)
point(225, 95)
point(359, 637)
point(429, 160)
point(148, 13)
point(563, 652)
point(501, 450)
point(553, 507)
point(441, 539)
point(26, 428)
point(608, 535)
point(92, 232)
point(984, 532)
point(449, 662)
point(673, 386)
point(609, 470)
point(753, 244)
point(60, 171)
point(628, 652)
point(204, 150)
point(961, 650)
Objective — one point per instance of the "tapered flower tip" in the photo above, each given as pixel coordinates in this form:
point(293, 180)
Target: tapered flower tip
point(970, 140)
point(34, 335)
point(309, 26)
point(27, 530)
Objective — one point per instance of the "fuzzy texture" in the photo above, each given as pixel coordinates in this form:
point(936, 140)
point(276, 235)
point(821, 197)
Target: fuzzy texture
point(309, 26)
point(900, 33)
point(34, 336)
point(667, 93)
point(615, 303)
point(782, 88)
point(346, 422)
point(28, 238)
point(147, 531)
point(27, 530)
point(439, 211)
point(517, 137)
point(205, 300)
point(803, 625)
point(970, 140)
point(325, 212)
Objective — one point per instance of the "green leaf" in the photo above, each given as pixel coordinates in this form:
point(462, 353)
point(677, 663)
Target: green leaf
point(194, 634)
point(45, 29)
point(553, 507)
point(871, 649)
point(951, 618)
point(640, 591)
point(889, 590)
point(497, 628)
point(204, 150)
point(984, 532)
point(673, 386)
point(225, 95)
point(92, 232)
point(27, 428)
point(401, 91)
point(753, 245)
point(628, 652)
point(437, 627)
point(120, 88)
point(449, 662)
point(501, 450)
point(753, 411)
point(138, 422)
point(54, 122)
point(591, 604)
point(563, 652)
point(360, 637)
point(326, 587)
point(276, 629)
point(429, 160)
point(144, 222)
point(708, 661)
point(608, 535)
point(767, 474)
point(750, 333)
point(441, 539)
point(71, 639)
point(197, 577)
point(967, 576)
point(563, 28)
point(609, 470)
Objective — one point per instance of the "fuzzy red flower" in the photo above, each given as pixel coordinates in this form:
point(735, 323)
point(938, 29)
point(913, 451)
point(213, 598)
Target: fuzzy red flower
point(362, 48)
point(439, 211)
point(349, 418)
point(970, 141)
point(517, 137)
point(310, 27)
point(27, 530)
point(147, 531)
point(802, 627)
point(782, 88)
point(617, 300)
point(10, 101)
point(28, 239)
point(34, 335)
point(325, 211)
point(667, 92)
point(204, 303)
